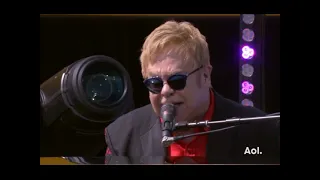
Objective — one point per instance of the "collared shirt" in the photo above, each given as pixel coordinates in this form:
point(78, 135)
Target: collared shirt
point(196, 148)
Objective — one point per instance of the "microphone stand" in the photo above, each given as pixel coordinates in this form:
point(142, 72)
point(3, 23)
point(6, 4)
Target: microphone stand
point(168, 140)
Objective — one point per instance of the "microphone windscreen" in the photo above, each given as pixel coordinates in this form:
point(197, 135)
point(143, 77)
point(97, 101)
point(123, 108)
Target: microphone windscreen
point(168, 109)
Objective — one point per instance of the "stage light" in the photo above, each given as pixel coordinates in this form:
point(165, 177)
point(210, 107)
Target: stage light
point(247, 70)
point(78, 102)
point(248, 18)
point(247, 88)
point(247, 52)
point(247, 35)
point(247, 102)
point(251, 60)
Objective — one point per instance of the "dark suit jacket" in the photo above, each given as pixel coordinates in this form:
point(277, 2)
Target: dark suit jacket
point(135, 138)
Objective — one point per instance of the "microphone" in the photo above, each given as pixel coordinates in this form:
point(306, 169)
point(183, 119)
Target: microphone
point(167, 114)
point(235, 121)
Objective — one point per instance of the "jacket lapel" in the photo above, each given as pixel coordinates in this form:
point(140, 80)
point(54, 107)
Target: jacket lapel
point(219, 142)
point(151, 142)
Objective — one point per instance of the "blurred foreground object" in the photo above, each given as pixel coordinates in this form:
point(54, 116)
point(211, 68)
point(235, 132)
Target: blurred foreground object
point(77, 103)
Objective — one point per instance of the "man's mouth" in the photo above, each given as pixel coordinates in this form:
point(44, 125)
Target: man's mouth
point(178, 104)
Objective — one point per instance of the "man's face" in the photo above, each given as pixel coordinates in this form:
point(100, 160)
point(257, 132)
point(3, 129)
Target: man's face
point(187, 101)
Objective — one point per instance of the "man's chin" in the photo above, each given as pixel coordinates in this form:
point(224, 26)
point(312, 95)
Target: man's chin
point(180, 119)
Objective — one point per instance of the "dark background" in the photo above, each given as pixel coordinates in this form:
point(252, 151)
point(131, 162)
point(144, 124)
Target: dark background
point(64, 40)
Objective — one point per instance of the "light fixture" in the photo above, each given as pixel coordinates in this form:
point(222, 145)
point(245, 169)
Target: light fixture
point(247, 70)
point(251, 60)
point(247, 52)
point(248, 18)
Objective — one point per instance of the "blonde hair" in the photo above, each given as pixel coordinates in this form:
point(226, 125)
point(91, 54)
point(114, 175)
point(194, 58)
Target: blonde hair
point(189, 43)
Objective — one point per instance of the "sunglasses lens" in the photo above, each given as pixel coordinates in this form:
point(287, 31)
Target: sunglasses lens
point(177, 82)
point(154, 84)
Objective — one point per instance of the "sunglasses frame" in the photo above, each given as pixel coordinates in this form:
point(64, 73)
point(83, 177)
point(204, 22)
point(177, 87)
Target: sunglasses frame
point(159, 78)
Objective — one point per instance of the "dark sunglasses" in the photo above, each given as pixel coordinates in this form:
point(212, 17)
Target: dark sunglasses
point(176, 82)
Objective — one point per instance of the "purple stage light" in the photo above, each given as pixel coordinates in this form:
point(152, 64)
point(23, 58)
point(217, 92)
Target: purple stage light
point(247, 87)
point(250, 87)
point(245, 84)
point(245, 91)
point(247, 52)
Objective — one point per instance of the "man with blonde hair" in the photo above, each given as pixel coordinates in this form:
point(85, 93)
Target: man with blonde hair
point(176, 68)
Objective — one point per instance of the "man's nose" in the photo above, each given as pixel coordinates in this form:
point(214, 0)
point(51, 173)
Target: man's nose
point(166, 90)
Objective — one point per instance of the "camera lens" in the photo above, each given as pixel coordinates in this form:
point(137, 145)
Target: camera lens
point(99, 87)
point(103, 88)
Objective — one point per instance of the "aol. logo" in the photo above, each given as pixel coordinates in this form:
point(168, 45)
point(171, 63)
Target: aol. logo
point(252, 150)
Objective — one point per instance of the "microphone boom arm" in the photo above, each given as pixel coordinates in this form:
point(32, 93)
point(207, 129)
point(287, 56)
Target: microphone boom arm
point(167, 141)
point(232, 120)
